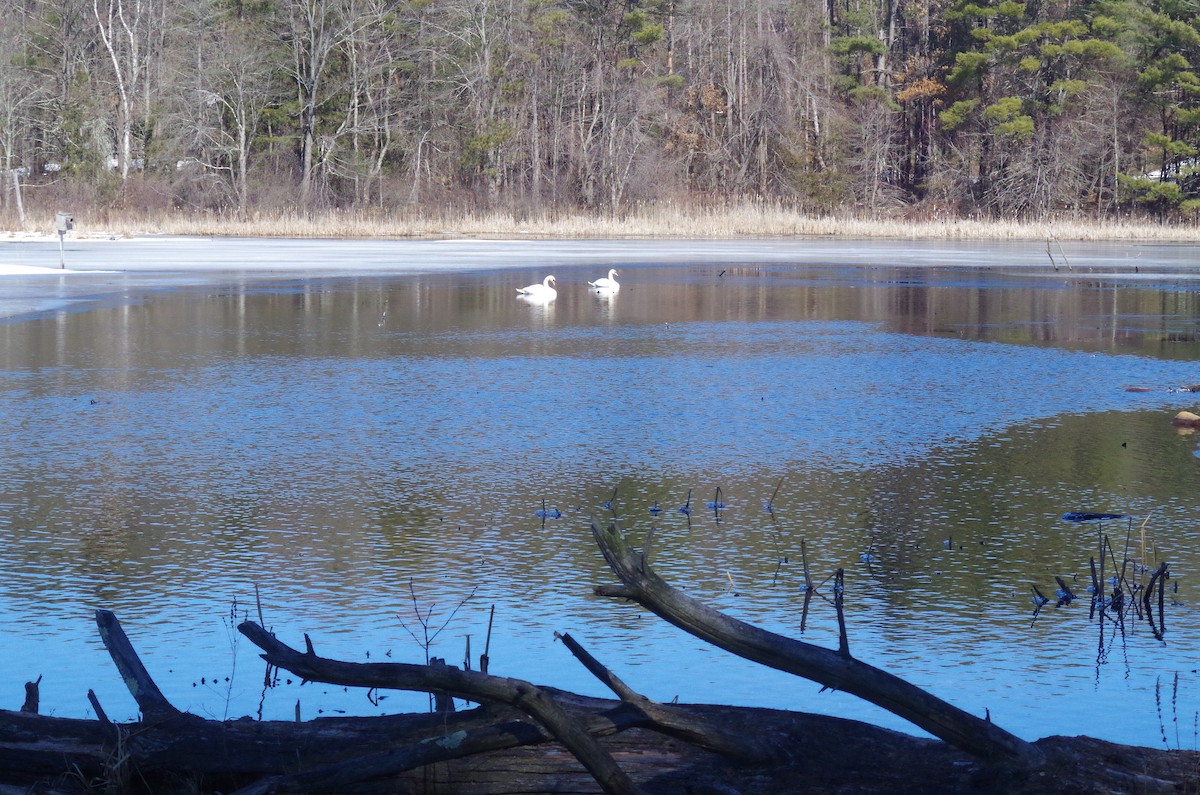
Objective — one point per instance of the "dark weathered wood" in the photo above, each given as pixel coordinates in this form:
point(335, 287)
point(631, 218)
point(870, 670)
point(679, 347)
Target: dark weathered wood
point(145, 692)
point(830, 668)
point(598, 670)
point(749, 749)
point(471, 685)
point(442, 702)
point(823, 754)
point(170, 741)
point(33, 745)
point(246, 750)
point(101, 715)
point(602, 719)
point(32, 696)
point(338, 776)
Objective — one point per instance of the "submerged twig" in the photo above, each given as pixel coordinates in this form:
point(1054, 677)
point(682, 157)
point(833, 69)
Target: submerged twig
point(808, 583)
point(770, 506)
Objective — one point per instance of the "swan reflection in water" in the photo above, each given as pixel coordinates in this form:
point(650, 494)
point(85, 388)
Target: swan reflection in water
point(606, 303)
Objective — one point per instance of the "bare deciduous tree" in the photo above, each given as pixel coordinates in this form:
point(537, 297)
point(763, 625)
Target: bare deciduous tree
point(125, 29)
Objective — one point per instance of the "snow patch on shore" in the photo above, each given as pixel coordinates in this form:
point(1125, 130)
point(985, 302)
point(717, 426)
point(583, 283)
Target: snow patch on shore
point(7, 269)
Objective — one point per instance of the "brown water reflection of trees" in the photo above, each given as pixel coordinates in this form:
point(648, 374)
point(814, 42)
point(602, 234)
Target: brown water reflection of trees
point(370, 317)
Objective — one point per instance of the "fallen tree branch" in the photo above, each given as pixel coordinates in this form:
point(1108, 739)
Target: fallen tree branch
point(145, 692)
point(675, 722)
point(472, 685)
point(829, 668)
point(678, 723)
point(170, 740)
point(601, 672)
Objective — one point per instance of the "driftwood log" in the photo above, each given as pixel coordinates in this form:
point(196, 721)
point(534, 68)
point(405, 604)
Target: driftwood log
point(531, 739)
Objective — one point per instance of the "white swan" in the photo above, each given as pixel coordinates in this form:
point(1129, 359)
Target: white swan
point(606, 282)
point(541, 292)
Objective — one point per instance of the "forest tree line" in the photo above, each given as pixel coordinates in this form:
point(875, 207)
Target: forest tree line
point(979, 108)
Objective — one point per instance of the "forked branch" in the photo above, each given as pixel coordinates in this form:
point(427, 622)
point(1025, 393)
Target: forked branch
point(832, 669)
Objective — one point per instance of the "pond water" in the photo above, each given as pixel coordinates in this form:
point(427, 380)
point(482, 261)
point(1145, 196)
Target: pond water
point(381, 461)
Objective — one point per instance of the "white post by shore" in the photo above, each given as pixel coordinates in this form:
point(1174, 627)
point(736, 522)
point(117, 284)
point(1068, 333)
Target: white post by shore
point(63, 222)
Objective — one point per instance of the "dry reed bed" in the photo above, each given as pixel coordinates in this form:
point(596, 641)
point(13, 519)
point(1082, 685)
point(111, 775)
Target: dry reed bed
point(660, 221)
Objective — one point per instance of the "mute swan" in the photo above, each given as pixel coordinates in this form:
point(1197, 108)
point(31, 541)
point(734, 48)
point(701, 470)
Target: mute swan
point(543, 291)
point(606, 282)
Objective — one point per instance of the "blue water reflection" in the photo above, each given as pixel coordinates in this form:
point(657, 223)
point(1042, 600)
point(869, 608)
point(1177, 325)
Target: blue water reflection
point(351, 455)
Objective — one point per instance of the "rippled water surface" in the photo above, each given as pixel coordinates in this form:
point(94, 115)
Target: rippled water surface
point(364, 459)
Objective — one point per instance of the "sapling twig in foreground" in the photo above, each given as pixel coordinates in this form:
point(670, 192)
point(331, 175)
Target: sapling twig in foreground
point(427, 636)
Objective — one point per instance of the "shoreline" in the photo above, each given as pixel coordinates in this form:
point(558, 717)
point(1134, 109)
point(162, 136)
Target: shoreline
point(658, 222)
point(162, 257)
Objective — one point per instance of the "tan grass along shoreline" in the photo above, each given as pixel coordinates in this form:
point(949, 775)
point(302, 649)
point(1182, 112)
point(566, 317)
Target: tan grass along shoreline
point(658, 221)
